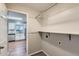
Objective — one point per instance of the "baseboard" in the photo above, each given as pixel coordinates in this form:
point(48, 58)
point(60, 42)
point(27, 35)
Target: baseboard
point(38, 52)
point(34, 53)
point(20, 40)
point(16, 40)
point(11, 41)
point(45, 53)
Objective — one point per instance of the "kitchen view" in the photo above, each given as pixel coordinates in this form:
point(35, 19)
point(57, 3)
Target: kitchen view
point(16, 34)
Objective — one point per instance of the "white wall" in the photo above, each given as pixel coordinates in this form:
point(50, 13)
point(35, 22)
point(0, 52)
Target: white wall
point(62, 18)
point(33, 26)
point(67, 47)
point(35, 42)
point(3, 30)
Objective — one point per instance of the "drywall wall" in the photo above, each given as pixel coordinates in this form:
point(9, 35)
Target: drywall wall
point(35, 42)
point(62, 18)
point(3, 30)
point(59, 44)
point(31, 14)
point(33, 26)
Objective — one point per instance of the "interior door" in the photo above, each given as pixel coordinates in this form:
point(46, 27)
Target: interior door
point(3, 30)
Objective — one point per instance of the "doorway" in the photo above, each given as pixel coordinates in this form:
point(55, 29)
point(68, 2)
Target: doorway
point(16, 34)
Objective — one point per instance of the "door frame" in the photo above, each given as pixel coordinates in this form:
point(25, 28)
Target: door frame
point(26, 37)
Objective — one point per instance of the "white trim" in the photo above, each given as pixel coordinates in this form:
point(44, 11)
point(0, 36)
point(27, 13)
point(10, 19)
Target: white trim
point(38, 52)
point(26, 13)
point(45, 53)
point(15, 10)
point(34, 53)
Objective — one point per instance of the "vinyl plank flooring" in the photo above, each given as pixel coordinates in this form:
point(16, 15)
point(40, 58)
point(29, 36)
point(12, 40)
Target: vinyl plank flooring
point(17, 48)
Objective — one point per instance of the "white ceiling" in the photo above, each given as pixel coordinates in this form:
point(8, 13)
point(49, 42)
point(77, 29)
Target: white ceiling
point(37, 6)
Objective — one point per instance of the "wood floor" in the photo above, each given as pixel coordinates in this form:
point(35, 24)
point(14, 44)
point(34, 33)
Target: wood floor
point(17, 48)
